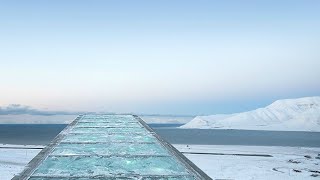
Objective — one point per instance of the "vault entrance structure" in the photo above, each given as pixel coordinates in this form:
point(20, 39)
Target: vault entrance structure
point(109, 147)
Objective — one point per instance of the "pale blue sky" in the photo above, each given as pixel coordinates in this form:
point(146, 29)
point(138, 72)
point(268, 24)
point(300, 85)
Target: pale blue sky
point(167, 57)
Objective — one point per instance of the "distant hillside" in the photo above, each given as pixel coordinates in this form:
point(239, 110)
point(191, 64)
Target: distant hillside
point(301, 114)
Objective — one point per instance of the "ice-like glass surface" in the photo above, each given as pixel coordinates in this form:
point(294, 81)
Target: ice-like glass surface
point(95, 166)
point(109, 118)
point(110, 149)
point(119, 120)
point(109, 130)
point(142, 138)
point(95, 178)
point(178, 177)
point(103, 124)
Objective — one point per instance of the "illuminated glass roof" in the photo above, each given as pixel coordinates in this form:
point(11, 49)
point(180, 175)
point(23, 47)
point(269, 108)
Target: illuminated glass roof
point(110, 147)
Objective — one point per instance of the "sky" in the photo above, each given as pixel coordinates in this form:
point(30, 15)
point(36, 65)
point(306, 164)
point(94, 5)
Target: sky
point(158, 57)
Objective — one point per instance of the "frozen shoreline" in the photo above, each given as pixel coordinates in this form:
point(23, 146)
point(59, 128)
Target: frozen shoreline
point(219, 161)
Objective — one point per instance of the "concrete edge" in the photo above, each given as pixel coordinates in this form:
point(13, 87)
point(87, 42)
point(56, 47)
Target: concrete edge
point(190, 165)
point(43, 154)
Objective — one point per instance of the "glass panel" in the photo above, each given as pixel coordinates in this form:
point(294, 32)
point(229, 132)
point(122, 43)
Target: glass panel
point(108, 118)
point(121, 178)
point(95, 166)
point(97, 178)
point(102, 124)
point(109, 130)
point(109, 149)
point(109, 138)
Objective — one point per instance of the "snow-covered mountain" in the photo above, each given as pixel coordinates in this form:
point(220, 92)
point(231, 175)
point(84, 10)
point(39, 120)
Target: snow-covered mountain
point(301, 114)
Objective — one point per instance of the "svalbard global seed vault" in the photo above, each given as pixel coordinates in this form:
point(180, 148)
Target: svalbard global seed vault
point(109, 147)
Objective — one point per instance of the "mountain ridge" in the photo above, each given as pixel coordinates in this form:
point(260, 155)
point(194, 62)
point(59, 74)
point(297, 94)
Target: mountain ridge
point(301, 114)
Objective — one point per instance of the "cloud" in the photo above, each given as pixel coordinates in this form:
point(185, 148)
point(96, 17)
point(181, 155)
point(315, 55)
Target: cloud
point(16, 109)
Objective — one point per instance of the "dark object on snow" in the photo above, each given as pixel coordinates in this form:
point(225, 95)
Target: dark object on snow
point(297, 170)
point(293, 161)
point(275, 169)
point(314, 171)
point(307, 156)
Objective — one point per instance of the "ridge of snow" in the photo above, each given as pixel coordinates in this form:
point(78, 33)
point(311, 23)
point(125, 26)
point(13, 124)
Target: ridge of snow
point(302, 114)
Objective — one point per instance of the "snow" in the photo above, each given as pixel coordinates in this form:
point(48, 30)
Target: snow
point(12, 160)
point(301, 114)
point(283, 163)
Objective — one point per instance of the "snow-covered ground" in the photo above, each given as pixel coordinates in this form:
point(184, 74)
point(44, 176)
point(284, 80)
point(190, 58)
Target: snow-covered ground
point(12, 160)
point(301, 114)
point(219, 162)
point(291, 163)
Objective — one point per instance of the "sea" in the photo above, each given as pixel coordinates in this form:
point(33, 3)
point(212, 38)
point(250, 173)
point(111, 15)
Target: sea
point(42, 134)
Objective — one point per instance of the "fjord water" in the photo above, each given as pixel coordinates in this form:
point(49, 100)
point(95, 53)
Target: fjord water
point(29, 134)
point(44, 133)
